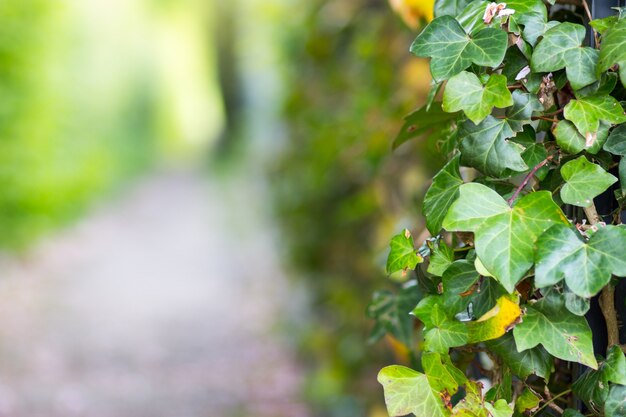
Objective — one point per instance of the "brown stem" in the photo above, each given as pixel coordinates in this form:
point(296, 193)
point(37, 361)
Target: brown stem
point(559, 111)
point(607, 297)
point(588, 12)
point(526, 179)
point(545, 118)
point(514, 86)
point(607, 304)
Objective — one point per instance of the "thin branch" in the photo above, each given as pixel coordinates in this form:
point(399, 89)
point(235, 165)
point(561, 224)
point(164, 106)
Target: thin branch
point(526, 179)
point(545, 118)
point(515, 86)
point(550, 401)
point(607, 305)
point(559, 111)
point(588, 12)
point(607, 297)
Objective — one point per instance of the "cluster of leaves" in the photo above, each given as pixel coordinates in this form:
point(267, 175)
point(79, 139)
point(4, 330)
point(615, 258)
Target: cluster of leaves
point(535, 129)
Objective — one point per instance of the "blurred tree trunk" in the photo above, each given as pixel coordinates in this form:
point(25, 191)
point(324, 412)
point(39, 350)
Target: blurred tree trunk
point(226, 27)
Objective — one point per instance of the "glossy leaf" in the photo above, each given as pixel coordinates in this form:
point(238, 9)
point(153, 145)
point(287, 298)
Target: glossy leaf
point(465, 92)
point(616, 143)
point(504, 236)
point(561, 333)
point(524, 105)
point(585, 267)
point(421, 122)
point(615, 405)
point(450, 7)
point(441, 258)
point(612, 50)
point(561, 48)
point(534, 361)
point(445, 333)
point(441, 194)
point(486, 148)
point(402, 254)
point(584, 181)
point(571, 141)
point(451, 50)
point(587, 112)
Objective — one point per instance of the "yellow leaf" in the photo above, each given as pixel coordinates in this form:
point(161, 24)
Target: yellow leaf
point(497, 321)
point(414, 11)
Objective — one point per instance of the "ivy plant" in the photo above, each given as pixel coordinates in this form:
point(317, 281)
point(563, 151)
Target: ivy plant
point(530, 105)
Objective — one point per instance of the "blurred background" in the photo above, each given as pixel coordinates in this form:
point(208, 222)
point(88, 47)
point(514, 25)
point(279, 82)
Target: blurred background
point(197, 198)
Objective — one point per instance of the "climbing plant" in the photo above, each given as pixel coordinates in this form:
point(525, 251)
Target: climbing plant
point(527, 106)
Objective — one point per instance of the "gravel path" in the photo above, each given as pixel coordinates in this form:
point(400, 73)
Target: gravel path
point(162, 304)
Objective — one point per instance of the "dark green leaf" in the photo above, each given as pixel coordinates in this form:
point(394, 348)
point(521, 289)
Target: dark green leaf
point(450, 7)
point(534, 361)
point(451, 50)
point(615, 405)
point(612, 50)
point(616, 143)
point(524, 104)
point(441, 194)
point(562, 334)
point(584, 181)
point(486, 148)
point(422, 121)
point(561, 48)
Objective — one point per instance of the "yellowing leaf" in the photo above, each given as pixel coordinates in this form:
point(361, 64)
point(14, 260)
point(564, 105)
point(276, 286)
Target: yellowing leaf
point(496, 321)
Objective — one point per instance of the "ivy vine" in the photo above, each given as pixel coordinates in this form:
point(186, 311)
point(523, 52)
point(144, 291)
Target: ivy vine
point(528, 106)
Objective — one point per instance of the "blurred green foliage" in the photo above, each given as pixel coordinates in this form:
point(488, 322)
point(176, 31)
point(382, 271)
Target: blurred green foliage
point(350, 82)
point(59, 145)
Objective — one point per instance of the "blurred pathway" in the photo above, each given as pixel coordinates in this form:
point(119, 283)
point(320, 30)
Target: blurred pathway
point(160, 305)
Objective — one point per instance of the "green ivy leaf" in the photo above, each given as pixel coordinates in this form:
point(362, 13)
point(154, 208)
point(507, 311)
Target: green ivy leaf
point(451, 50)
point(562, 334)
point(423, 121)
point(584, 181)
point(499, 409)
point(536, 28)
point(461, 287)
point(593, 386)
point(612, 49)
point(616, 143)
point(465, 92)
point(615, 405)
point(586, 267)
point(408, 391)
point(571, 141)
point(445, 333)
point(527, 401)
point(534, 361)
point(441, 372)
point(441, 258)
point(604, 24)
point(441, 194)
point(391, 314)
point(486, 148)
point(524, 104)
point(450, 7)
point(504, 236)
point(402, 255)
point(424, 309)
point(561, 48)
point(587, 112)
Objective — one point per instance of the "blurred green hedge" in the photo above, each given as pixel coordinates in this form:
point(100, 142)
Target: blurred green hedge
point(351, 80)
point(61, 143)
